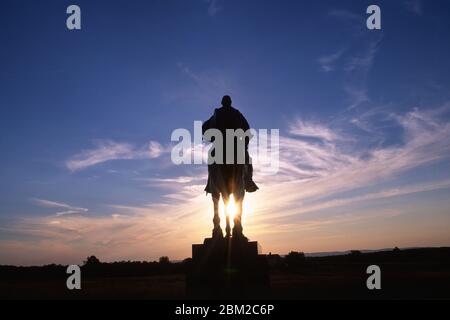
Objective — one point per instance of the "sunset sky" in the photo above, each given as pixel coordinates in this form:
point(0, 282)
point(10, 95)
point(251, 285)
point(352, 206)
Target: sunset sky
point(86, 118)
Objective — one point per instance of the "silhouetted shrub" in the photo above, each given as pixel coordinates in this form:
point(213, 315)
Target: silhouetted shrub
point(294, 259)
point(91, 261)
point(164, 260)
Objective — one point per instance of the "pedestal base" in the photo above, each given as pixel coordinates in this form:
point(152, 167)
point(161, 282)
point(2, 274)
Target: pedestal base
point(227, 268)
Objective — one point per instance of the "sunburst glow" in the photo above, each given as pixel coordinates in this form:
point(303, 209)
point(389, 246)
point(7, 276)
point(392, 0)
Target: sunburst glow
point(231, 208)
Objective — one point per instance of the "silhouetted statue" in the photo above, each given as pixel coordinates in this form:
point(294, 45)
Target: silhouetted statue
point(225, 178)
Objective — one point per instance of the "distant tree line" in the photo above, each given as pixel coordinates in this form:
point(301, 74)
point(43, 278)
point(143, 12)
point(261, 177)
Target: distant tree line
point(292, 262)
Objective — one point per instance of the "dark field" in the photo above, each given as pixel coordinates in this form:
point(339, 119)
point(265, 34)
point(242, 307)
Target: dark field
point(414, 274)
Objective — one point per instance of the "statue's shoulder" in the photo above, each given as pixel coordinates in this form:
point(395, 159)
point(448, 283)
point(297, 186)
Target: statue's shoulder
point(238, 111)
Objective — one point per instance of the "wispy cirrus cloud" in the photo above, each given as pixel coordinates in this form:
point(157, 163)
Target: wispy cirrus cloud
point(174, 183)
point(363, 61)
point(355, 62)
point(195, 87)
point(347, 15)
point(328, 62)
point(340, 166)
point(213, 7)
point(352, 200)
point(310, 129)
point(356, 95)
point(64, 208)
point(107, 150)
point(357, 68)
point(201, 86)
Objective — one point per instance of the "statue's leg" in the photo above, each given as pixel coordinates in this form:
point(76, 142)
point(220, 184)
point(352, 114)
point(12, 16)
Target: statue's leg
point(217, 231)
point(237, 227)
point(226, 198)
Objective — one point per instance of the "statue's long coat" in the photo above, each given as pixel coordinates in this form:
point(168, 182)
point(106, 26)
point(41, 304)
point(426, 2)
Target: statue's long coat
point(227, 178)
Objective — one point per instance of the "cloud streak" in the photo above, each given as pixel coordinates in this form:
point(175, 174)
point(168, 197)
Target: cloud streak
point(328, 62)
point(346, 15)
point(107, 150)
point(213, 7)
point(66, 208)
point(315, 130)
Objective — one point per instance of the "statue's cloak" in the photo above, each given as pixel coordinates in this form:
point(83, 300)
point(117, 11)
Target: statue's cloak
point(227, 178)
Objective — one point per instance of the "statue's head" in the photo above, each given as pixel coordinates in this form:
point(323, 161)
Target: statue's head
point(226, 101)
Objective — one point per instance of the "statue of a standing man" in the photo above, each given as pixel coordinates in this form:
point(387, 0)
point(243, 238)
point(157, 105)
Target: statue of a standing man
point(227, 178)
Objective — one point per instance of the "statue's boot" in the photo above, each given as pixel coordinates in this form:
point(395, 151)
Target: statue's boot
point(237, 230)
point(217, 230)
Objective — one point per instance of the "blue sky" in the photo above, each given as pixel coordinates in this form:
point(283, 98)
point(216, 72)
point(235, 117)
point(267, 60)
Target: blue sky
point(86, 119)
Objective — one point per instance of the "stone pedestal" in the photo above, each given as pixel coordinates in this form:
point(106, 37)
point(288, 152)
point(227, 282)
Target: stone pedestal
point(227, 268)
